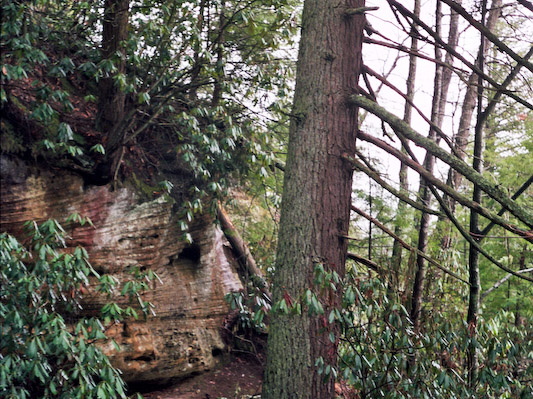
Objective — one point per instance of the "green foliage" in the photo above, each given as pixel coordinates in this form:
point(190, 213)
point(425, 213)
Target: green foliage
point(509, 148)
point(252, 306)
point(197, 81)
point(255, 208)
point(42, 354)
point(35, 36)
point(382, 357)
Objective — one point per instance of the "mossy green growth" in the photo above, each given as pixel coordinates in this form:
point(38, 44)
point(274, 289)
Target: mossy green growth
point(10, 141)
point(146, 191)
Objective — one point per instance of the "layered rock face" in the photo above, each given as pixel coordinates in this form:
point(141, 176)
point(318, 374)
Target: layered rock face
point(184, 336)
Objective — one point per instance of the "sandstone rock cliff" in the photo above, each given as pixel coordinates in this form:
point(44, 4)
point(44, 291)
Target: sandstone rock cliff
point(184, 337)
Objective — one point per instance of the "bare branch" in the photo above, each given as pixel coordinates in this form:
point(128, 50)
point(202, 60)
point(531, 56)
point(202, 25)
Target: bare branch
point(469, 236)
point(407, 246)
point(488, 34)
point(445, 188)
point(508, 80)
point(526, 4)
point(457, 55)
point(519, 192)
point(374, 175)
point(360, 10)
point(364, 261)
point(434, 126)
point(404, 49)
point(400, 127)
point(503, 280)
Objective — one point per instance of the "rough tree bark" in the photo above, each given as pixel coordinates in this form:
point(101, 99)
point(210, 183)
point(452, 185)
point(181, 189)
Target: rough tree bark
point(316, 199)
point(111, 99)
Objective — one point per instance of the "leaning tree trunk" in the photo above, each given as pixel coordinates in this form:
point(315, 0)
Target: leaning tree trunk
point(316, 199)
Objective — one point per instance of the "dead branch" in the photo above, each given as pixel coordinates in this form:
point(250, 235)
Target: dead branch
point(468, 236)
point(526, 4)
point(361, 10)
point(366, 262)
point(488, 34)
point(404, 49)
point(503, 280)
point(397, 193)
point(508, 80)
point(434, 126)
point(519, 192)
point(456, 54)
point(445, 188)
point(244, 256)
point(407, 246)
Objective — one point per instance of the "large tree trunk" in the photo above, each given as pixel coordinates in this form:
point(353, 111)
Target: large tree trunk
point(316, 198)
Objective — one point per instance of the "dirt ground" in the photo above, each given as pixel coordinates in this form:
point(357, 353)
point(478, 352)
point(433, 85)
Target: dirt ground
point(241, 377)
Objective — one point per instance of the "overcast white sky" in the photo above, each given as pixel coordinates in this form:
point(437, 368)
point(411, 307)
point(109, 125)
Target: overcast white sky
point(382, 59)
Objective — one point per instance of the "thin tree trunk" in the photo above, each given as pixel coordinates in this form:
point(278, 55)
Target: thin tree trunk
point(370, 243)
point(522, 213)
point(445, 79)
point(424, 192)
point(521, 266)
point(495, 84)
point(111, 98)
point(461, 139)
point(396, 259)
point(453, 39)
point(442, 186)
point(473, 253)
point(315, 210)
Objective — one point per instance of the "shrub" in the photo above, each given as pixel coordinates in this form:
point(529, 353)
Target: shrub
point(41, 355)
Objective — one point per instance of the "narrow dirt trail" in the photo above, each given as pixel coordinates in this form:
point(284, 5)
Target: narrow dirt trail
point(240, 378)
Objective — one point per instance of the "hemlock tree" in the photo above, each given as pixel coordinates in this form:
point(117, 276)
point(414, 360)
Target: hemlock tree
point(316, 202)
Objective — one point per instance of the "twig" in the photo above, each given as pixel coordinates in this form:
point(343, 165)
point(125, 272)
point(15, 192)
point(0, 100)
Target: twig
point(407, 246)
point(503, 280)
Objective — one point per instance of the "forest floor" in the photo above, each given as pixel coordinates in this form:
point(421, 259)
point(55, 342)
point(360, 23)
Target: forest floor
point(240, 377)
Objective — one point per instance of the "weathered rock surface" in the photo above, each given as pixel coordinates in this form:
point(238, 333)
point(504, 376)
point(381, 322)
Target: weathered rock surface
point(183, 338)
